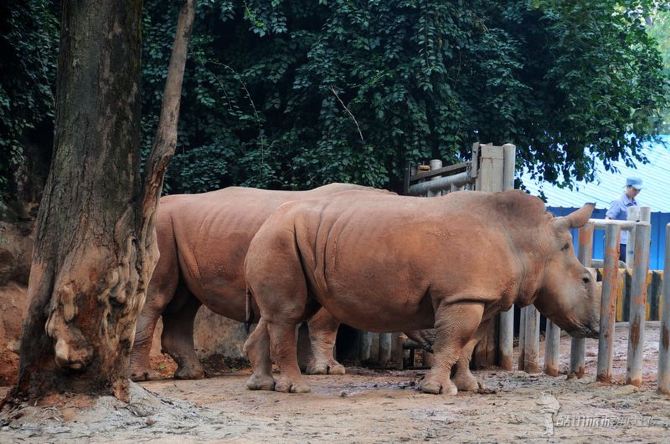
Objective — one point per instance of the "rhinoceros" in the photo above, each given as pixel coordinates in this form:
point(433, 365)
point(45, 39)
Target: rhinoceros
point(397, 263)
point(203, 239)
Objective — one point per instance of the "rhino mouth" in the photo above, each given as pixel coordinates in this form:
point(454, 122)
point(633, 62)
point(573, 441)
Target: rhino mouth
point(585, 332)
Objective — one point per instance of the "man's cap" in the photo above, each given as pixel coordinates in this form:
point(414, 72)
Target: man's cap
point(634, 182)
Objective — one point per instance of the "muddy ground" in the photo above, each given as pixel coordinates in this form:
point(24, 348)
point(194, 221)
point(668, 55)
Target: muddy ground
point(369, 406)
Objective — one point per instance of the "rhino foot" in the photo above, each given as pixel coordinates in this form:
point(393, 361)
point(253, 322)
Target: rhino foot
point(256, 382)
point(189, 372)
point(286, 385)
point(466, 382)
point(326, 368)
point(144, 375)
point(436, 388)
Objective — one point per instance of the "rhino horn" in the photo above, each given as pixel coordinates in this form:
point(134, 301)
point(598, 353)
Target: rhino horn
point(577, 218)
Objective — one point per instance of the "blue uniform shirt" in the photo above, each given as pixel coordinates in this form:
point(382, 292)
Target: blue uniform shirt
point(618, 210)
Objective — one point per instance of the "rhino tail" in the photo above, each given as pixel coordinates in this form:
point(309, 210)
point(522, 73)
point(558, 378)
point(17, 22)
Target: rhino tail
point(248, 313)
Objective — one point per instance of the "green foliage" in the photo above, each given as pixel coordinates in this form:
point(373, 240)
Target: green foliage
point(660, 31)
point(28, 49)
point(296, 94)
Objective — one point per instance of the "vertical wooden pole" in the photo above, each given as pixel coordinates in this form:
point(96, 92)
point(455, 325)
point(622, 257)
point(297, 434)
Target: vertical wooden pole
point(506, 320)
point(638, 303)
point(531, 353)
point(397, 351)
point(664, 342)
point(385, 344)
point(633, 214)
point(551, 351)
point(608, 303)
point(577, 346)
point(434, 165)
point(522, 336)
point(365, 344)
point(489, 178)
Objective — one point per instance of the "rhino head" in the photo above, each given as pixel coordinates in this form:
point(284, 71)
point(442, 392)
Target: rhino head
point(567, 293)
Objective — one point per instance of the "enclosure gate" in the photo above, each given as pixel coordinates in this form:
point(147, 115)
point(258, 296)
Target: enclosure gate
point(491, 169)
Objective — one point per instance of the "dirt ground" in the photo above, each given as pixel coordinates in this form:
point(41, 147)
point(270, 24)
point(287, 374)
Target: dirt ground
point(371, 406)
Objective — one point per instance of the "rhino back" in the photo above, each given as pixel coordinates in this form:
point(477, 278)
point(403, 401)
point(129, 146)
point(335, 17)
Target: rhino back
point(211, 233)
point(370, 251)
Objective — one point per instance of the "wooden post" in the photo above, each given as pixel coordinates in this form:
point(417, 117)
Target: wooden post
point(397, 351)
point(551, 351)
point(435, 164)
point(365, 345)
point(385, 344)
point(608, 303)
point(531, 353)
point(506, 319)
point(664, 343)
point(489, 178)
point(633, 214)
point(577, 346)
point(638, 302)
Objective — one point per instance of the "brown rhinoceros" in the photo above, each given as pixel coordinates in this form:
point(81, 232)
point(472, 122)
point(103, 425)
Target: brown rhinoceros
point(396, 263)
point(203, 239)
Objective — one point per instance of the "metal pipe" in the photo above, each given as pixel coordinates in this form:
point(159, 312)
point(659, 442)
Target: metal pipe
point(585, 253)
point(551, 350)
point(608, 304)
point(638, 302)
point(664, 342)
point(438, 184)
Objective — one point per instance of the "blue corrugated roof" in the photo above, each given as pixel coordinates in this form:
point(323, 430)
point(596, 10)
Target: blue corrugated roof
point(609, 185)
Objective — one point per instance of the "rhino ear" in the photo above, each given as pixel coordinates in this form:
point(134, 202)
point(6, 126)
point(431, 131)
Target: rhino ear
point(576, 219)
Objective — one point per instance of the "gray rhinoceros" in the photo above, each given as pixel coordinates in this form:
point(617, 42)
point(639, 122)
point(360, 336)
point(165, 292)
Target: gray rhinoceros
point(395, 263)
point(203, 240)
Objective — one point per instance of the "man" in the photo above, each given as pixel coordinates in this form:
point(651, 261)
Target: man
point(619, 209)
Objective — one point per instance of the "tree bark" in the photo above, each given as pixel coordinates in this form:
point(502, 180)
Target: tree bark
point(95, 247)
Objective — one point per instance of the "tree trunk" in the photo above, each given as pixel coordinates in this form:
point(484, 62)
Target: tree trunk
point(95, 248)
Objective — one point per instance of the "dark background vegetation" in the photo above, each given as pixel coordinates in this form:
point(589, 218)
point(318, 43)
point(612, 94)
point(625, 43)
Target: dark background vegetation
point(295, 94)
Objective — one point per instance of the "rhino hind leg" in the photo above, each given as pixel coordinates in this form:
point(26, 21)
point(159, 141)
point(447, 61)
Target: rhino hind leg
point(463, 377)
point(455, 324)
point(284, 351)
point(177, 338)
point(257, 349)
point(322, 335)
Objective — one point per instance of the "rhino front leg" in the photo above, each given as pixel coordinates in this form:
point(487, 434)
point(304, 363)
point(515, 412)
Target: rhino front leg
point(177, 339)
point(257, 348)
point(322, 335)
point(455, 325)
point(463, 378)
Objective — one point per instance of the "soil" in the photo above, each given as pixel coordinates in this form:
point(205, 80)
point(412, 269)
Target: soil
point(368, 406)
